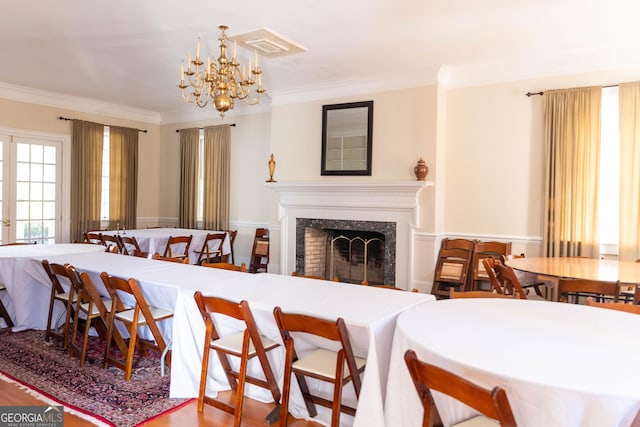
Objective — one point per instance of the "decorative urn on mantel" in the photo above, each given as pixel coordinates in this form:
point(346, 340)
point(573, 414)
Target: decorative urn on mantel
point(421, 170)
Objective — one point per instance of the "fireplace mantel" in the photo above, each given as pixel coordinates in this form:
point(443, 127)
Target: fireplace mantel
point(361, 194)
point(395, 201)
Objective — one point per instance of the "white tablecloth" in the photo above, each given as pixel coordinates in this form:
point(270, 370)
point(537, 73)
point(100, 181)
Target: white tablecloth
point(370, 314)
point(28, 286)
point(154, 240)
point(560, 364)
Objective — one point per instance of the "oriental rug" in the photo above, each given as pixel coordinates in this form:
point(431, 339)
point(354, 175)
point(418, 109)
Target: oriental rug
point(100, 394)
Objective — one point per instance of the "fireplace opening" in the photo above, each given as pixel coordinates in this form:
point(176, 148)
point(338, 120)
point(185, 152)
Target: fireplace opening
point(351, 251)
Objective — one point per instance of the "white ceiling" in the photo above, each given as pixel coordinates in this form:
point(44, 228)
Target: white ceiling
point(128, 52)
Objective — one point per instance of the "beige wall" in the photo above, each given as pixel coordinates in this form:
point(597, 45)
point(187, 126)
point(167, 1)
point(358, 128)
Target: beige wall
point(483, 146)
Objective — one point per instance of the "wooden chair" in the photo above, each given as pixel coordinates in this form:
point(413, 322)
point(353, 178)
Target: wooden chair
point(159, 257)
point(310, 276)
point(259, 261)
point(510, 283)
point(476, 294)
point(95, 311)
point(92, 237)
point(140, 315)
point(489, 268)
point(111, 243)
point(244, 345)
point(629, 308)
point(3, 310)
point(173, 245)
point(484, 250)
point(530, 280)
point(322, 364)
point(211, 250)
point(129, 245)
point(232, 238)
point(451, 270)
point(492, 404)
point(225, 266)
point(55, 272)
point(576, 289)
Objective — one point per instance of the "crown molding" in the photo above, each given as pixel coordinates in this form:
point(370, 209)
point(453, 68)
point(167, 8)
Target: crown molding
point(577, 61)
point(68, 102)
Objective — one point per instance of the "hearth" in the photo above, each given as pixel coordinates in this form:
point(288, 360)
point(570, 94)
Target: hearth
point(352, 251)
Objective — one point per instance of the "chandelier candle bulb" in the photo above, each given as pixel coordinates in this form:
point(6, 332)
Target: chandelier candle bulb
point(222, 81)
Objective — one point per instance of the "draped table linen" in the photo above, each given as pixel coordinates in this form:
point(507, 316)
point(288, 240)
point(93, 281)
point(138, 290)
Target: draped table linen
point(560, 364)
point(154, 240)
point(28, 286)
point(370, 314)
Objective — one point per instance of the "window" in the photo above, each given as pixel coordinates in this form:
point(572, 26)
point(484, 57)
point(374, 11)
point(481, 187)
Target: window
point(609, 183)
point(201, 177)
point(104, 199)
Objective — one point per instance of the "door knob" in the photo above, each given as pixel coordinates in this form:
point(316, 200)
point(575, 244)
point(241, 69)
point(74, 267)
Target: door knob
point(6, 222)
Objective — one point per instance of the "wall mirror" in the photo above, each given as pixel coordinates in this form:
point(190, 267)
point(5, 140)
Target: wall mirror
point(346, 138)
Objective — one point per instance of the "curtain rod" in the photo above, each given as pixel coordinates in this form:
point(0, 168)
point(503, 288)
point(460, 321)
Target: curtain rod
point(230, 124)
point(64, 118)
point(529, 94)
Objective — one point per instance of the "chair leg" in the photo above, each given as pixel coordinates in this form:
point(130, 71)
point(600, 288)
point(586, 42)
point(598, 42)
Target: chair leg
point(5, 315)
point(132, 349)
point(337, 395)
point(203, 373)
point(237, 413)
point(85, 341)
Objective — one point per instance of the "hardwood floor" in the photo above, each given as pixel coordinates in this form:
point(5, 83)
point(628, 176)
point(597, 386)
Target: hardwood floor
point(253, 413)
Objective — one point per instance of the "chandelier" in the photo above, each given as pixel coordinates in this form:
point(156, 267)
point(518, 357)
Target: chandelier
point(223, 80)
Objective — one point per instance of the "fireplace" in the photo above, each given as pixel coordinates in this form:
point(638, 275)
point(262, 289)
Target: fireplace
point(352, 251)
point(349, 206)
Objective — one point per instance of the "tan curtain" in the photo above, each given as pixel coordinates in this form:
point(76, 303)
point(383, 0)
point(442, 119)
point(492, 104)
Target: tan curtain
point(629, 240)
point(188, 215)
point(217, 159)
point(86, 177)
point(123, 177)
point(572, 144)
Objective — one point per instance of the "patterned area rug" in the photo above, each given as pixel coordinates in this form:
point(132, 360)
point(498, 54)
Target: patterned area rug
point(103, 393)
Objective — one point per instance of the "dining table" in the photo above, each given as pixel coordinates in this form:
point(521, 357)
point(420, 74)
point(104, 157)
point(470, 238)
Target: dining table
point(627, 272)
point(560, 364)
point(579, 268)
point(28, 287)
point(370, 314)
point(152, 240)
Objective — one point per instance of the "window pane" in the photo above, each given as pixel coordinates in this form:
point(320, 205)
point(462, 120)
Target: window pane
point(36, 191)
point(22, 171)
point(609, 191)
point(22, 210)
point(22, 229)
point(22, 152)
point(49, 210)
point(49, 173)
point(36, 172)
point(48, 192)
point(49, 155)
point(22, 191)
point(36, 153)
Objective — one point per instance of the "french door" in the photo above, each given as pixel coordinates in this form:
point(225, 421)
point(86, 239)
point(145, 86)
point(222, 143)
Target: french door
point(30, 192)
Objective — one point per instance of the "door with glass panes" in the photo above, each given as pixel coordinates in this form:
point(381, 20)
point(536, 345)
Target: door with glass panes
point(30, 189)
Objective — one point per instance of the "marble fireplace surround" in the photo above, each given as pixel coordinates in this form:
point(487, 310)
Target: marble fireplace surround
point(389, 201)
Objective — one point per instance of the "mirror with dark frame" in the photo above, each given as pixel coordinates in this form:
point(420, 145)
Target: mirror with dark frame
point(347, 138)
